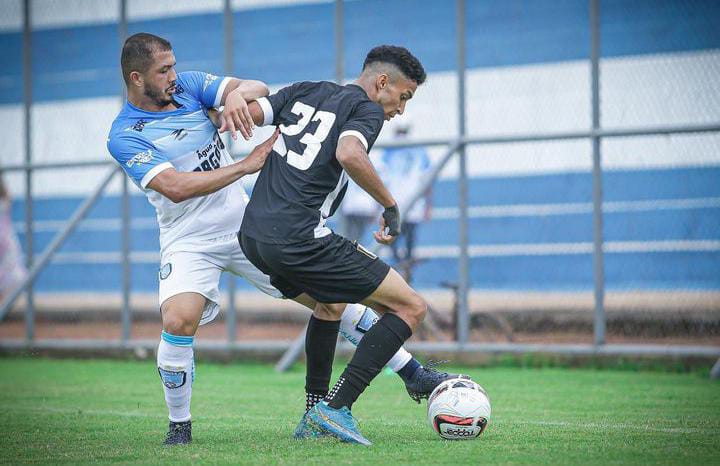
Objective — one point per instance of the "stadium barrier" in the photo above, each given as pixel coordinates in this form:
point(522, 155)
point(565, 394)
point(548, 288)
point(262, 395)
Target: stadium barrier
point(454, 146)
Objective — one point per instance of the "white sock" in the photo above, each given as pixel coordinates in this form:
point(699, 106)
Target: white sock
point(176, 366)
point(356, 320)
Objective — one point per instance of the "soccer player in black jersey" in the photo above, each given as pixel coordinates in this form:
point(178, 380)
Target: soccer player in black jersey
point(326, 133)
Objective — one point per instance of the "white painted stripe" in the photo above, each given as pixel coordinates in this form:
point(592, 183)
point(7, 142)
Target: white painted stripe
point(449, 252)
point(267, 110)
point(551, 249)
point(104, 258)
point(258, 4)
point(599, 427)
point(138, 10)
point(357, 134)
point(538, 210)
point(662, 246)
point(99, 224)
point(11, 19)
point(439, 213)
point(67, 13)
point(153, 173)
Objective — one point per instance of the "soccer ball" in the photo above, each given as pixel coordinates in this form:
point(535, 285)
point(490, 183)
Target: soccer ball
point(458, 409)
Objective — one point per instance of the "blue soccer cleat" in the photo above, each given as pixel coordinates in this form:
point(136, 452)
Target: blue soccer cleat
point(338, 423)
point(305, 430)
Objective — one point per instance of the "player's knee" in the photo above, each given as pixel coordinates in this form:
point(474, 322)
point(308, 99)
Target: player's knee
point(328, 311)
point(176, 325)
point(417, 308)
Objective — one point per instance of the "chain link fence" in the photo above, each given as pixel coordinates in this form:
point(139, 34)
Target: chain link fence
point(528, 113)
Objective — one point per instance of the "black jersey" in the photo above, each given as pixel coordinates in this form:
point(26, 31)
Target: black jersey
point(302, 183)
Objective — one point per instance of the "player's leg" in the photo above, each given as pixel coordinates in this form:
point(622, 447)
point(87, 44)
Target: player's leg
point(175, 360)
point(406, 309)
point(322, 332)
point(188, 297)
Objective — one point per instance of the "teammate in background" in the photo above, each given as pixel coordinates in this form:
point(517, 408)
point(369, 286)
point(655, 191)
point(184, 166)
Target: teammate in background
point(166, 142)
point(12, 270)
point(326, 133)
point(404, 170)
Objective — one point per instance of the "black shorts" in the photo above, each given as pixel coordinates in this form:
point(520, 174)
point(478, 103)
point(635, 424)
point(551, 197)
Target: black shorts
point(331, 269)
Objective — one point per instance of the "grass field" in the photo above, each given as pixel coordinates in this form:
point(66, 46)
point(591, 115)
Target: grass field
point(63, 411)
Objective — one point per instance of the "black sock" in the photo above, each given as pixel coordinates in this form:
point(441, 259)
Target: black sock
point(320, 342)
point(409, 369)
point(376, 348)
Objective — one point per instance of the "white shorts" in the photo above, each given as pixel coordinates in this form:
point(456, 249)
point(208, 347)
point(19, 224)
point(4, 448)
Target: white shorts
point(198, 271)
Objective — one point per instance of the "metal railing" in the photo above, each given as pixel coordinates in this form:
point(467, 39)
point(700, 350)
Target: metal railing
point(456, 145)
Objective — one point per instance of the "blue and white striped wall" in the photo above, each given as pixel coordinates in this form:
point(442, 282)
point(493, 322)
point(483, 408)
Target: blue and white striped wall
point(530, 217)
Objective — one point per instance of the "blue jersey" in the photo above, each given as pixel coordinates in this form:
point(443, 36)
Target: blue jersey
point(147, 143)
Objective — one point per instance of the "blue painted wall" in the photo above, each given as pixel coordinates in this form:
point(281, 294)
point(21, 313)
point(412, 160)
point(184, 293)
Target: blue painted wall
point(293, 43)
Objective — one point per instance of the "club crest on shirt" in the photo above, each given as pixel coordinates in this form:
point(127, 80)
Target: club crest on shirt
point(140, 158)
point(209, 78)
point(165, 271)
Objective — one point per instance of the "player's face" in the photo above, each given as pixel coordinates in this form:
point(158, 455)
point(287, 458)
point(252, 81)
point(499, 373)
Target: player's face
point(160, 79)
point(394, 94)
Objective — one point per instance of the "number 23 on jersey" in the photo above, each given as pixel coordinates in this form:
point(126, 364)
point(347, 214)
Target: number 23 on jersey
point(312, 141)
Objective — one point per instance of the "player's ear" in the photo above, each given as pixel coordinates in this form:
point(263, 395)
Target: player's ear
point(382, 81)
point(136, 78)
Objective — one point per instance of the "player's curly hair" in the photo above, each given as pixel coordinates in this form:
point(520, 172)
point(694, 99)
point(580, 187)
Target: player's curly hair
point(401, 57)
point(137, 53)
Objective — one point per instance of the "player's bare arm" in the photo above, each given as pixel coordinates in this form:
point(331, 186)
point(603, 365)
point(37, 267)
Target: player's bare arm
point(256, 113)
point(181, 186)
point(354, 159)
point(236, 95)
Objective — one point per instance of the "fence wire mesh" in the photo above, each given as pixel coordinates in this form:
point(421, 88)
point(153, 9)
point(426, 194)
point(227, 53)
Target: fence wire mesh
point(530, 203)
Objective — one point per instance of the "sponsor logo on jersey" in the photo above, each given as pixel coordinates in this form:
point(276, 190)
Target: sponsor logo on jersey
point(139, 126)
point(209, 78)
point(140, 158)
point(165, 271)
point(210, 155)
point(180, 134)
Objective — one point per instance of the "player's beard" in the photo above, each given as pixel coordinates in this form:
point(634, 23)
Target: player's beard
point(158, 96)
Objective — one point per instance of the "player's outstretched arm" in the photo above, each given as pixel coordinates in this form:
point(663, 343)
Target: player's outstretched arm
point(236, 116)
point(181, 186)
point(354, 159)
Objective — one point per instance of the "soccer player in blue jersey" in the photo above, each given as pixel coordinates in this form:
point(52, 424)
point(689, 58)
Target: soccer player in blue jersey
point(165, 141)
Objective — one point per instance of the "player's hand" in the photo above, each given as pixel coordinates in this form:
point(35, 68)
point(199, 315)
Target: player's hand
point(255, 161)
point(236, 116)
point(382, 236)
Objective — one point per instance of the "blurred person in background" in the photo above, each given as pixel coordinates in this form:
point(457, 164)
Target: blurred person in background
point(12, 270)
point(359, 211)
point(404, 171)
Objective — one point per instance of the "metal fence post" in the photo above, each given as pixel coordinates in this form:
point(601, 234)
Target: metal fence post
point(228, 25)
point(463, 318)
point(126, 315)
point(599, 322)
point(339, 41)
point(27, 88)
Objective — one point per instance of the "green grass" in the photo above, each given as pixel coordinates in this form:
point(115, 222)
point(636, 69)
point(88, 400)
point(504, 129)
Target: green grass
point(61, 411)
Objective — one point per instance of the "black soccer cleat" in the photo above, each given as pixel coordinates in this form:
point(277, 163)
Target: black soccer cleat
point(425, 379)
point(179, 433)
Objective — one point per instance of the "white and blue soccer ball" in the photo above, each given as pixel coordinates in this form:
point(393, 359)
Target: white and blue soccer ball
point(458, 409)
